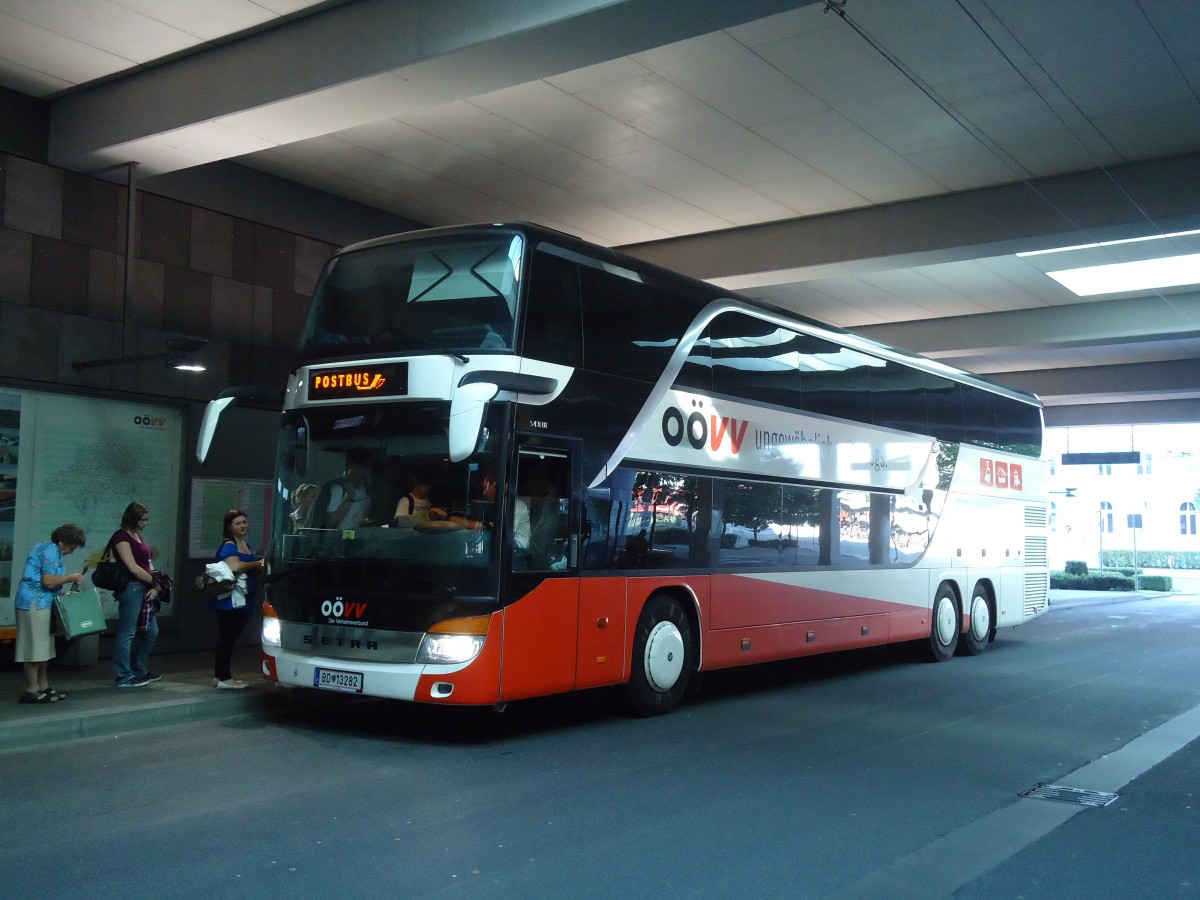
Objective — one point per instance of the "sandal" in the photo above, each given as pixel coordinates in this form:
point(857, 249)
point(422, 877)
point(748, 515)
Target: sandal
point(54, 695)
point(37, 697)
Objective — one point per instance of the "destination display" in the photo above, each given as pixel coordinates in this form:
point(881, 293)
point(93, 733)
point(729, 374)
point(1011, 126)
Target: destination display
point(378, 380)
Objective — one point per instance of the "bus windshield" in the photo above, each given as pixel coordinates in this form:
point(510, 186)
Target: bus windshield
point(371, 491)
point(452, 295)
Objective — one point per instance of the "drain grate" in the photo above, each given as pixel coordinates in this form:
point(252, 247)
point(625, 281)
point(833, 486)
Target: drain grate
point(1078, 796)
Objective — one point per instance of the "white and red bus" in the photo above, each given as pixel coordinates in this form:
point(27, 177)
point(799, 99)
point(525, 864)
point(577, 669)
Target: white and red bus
point(644, 478)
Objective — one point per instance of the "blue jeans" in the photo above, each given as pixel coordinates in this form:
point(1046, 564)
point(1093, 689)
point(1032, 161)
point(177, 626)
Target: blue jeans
point(129, 607)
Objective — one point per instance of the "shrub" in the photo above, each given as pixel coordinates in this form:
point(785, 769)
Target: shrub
point(1155, 582)
point(1107, 582)
point(1155, 559)
point(1076, 567)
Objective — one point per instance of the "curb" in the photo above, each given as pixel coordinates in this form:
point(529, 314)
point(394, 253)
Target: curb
point(45, 726)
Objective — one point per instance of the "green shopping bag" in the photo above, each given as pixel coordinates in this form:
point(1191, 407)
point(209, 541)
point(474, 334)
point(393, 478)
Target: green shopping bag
point(79, 613)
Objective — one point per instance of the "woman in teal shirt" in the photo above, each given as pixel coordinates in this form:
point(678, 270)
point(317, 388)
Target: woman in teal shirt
point(42, 580)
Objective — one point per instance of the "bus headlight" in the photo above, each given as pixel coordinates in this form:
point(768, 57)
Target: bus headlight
point(454, 641)
point(448, 649)
point(270, 626)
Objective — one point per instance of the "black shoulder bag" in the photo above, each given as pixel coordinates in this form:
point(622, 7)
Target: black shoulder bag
point(110, 574)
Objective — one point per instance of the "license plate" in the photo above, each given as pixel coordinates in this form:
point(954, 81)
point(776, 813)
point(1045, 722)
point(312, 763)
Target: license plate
point(337, 680)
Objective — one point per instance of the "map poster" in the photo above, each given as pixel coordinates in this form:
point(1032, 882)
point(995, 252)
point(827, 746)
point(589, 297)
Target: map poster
point(83, 460)
point(212, 498)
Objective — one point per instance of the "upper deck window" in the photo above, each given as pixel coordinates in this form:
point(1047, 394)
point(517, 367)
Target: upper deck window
point(452, 295)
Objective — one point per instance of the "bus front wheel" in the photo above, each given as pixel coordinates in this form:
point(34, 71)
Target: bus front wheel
point(662, 663)
point(945, 625)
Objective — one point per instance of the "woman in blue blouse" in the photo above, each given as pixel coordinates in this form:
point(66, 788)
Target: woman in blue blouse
point(234, 610)
point(42, 580)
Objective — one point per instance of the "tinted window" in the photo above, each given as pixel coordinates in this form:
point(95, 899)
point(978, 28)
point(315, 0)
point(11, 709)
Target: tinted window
point(898, 398)
point(455, 294)
point(749, 513)
point(766, 525)
point(753, 359)
point(553, 327)
point(1019, 427)
point(630, 328)
point(655, 520)
point(836, 381)
point(979, 417)
point(943, 403)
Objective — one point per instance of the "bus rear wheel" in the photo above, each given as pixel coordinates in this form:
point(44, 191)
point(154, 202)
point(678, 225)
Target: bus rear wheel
point(945, 625)
point(662, 657)
point(981, 629)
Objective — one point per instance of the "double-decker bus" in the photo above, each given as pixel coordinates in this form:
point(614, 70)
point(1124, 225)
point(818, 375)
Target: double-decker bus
point(632, 478)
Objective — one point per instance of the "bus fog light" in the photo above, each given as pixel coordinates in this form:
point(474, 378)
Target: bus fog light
point(271, 632)
point(449, 648)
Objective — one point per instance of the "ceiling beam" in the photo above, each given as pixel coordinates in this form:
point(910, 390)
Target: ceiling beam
point(355, 63)
point(1140, 382)
point(1166, 317)
point(1103, 204)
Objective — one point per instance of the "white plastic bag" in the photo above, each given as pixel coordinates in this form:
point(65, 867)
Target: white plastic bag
point(219, 580)
point(239, 592)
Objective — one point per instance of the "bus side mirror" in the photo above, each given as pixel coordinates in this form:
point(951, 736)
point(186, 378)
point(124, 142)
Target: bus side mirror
point(251, 396)
point(208, 426)
point(466, 416)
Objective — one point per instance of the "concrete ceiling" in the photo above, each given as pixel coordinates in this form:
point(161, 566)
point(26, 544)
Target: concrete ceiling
point(878, 170)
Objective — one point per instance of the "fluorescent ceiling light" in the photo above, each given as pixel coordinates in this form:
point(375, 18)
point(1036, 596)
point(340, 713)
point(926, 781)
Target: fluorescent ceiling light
point(1136, 240)
point(1143, 275)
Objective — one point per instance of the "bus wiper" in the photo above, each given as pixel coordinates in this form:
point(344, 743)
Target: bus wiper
point(430, 345)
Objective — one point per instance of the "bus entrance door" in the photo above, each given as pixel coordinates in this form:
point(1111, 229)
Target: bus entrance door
point(541, 613)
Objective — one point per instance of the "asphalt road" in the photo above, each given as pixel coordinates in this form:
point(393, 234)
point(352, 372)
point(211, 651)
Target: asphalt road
point(858, 775)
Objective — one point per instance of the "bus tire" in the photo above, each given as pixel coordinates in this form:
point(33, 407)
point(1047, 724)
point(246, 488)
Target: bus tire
point(945, 625)
point(982, 627)
point(662, 657)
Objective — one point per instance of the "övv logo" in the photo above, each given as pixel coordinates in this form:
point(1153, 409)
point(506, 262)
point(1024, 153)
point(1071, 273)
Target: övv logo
point(702, 430)
point(338, 612)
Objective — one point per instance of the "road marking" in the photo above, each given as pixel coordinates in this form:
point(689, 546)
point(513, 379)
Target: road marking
point(943, 866)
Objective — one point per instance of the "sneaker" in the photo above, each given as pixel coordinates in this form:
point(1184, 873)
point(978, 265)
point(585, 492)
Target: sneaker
point(231, 684)
point(135, 681)
point(150, 676)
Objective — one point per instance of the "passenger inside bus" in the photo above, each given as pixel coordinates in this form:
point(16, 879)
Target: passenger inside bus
point(303, 499)
point(344, 502)
point(543, 480)
point(415, 506)
point(487, 517)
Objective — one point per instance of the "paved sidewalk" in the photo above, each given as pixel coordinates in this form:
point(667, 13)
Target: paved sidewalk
point(95, 706)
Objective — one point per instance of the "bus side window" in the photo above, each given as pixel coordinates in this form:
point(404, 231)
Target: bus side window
point(553, 330)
